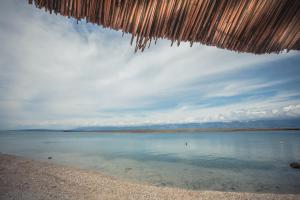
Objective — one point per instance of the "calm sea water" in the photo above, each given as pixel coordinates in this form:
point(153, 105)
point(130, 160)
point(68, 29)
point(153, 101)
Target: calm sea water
point(230, 161)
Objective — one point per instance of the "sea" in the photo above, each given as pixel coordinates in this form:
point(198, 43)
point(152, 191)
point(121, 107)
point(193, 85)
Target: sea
point(242, 161)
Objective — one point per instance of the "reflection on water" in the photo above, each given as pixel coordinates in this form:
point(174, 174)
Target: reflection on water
point(231, 161)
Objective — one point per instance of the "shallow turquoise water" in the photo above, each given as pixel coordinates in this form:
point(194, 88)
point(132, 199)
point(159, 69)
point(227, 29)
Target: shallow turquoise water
point(227, 161)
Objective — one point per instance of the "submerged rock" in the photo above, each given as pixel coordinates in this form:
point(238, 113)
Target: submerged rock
point(128, 169)
point(295, 165)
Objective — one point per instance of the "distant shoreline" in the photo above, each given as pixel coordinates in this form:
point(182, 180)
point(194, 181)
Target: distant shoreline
point(178, 130)
point(191, 130)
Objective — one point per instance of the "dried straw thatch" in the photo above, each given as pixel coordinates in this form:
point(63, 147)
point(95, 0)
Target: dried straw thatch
point(257, 26)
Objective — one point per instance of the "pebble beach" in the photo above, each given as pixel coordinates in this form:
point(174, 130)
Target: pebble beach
point(22, 178)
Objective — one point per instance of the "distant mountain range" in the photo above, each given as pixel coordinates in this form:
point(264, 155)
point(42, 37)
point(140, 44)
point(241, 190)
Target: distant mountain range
point(253, 124)
point(271, 124)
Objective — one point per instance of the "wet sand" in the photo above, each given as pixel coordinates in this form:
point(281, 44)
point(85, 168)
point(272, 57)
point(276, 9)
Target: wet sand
point(22, 178)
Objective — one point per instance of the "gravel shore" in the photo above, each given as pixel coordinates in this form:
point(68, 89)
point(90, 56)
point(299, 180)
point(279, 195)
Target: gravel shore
point(22, 178)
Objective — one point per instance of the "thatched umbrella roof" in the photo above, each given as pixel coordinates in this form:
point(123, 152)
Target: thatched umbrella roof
point(256, 26)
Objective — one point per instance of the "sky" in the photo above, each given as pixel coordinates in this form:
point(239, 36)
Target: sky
point(55, 73)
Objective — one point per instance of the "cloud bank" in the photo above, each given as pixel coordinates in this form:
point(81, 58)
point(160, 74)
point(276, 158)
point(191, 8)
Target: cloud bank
point(55, 73)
